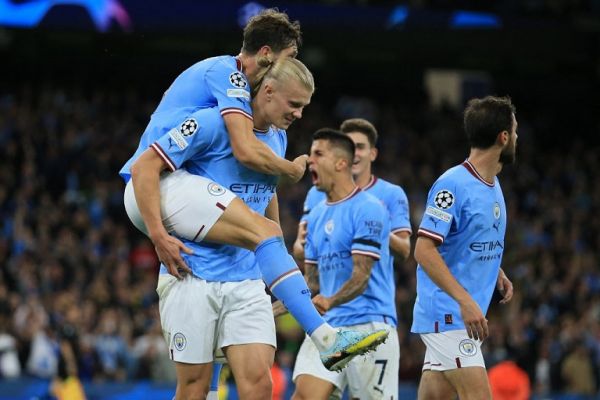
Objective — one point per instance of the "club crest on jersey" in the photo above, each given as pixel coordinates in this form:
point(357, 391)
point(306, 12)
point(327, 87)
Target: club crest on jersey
point(179, 341)
point(496, 210)
point(467, 347)
point(444, 199)
point(238, 80)
point(329, 227)
point(215, 189)
point(188, 127)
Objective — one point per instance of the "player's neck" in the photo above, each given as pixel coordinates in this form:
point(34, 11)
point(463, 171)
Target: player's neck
point(248, 66)
point(363, 179)
point(259, 120)
point(486, 163)
point(340, 190)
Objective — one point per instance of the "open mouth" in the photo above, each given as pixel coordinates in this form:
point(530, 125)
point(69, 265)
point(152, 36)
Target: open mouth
point(314, 176)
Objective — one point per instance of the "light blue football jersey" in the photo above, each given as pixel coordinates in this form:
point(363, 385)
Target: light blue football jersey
point(392, 196)
point(199, 143)
point(213, 82)
point(357, 224)
point(467, 217)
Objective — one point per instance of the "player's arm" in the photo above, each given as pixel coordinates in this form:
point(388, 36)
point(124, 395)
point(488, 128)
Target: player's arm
point(256, 155)
point(400, 244)
point(298, 247)
point(428, 256)
point(145, 175)
point(272, 210)
point(504, 286)
point(311, 275)
point(352, 288)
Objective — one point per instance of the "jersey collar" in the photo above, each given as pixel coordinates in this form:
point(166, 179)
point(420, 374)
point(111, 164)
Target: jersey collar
point(371, 183)
point(474, 172)
point(348, 197)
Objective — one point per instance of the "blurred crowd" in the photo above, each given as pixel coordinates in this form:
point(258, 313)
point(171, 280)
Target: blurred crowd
point(77, 281)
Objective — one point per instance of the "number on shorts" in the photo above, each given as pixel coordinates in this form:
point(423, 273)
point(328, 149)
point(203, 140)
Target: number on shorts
point(383, 365)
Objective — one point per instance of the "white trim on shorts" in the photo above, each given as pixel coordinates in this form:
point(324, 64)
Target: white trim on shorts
point(370, 376)
point(199, 318)
point(451, 350)
point(190, 204)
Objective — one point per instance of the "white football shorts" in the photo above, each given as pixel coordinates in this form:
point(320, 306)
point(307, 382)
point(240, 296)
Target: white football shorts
point(451, 350)
point(199, 318)
point(370, 376)
point(189, 204)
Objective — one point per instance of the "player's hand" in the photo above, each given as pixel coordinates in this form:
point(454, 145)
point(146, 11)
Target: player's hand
point(475, 322)
point(301, 237)
point(322, 304)
point(505, 287)
point(279, 309)
point(168, 249)
point(300, 168)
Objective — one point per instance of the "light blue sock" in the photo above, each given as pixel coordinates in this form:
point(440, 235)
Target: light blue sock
point(284, 279)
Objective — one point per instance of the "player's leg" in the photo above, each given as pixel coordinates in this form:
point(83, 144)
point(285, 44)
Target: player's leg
point(188, 323)
point(251, 368)
point(471, 383)
point(193, 380)
point(246, 334)
point(309, 387)
point(375, 375)
point(241, 226)
point(312, 379)
point(196, 208)
point(435, 386)
point(459, 364)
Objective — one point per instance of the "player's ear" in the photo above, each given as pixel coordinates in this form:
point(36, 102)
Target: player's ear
point(264, 56)
point(374, 153)
point(503, 138)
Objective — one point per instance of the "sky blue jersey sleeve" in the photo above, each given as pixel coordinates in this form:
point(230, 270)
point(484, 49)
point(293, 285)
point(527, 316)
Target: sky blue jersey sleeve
point(371, 228)
point(442, 209)
point(310, 255)
point(399, 211)
point(230, 87)
point(192, 136)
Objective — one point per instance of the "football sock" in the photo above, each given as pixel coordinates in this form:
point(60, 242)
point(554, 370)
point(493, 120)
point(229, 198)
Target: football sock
point(285, 281)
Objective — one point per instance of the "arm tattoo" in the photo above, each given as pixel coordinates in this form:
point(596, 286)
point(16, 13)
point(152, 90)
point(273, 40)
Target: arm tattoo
point(357, 283)
point(311, 274)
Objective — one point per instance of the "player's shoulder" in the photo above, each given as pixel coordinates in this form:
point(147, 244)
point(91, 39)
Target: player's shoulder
point(225, 62)
point(365, 200)
point(454, 176)
point(207, 117)
point(388, 187)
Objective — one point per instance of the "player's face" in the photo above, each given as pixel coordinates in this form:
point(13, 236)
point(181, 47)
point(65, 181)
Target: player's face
point(285, 103)
point(364, 154)
point(509, 153)
point(321, 164)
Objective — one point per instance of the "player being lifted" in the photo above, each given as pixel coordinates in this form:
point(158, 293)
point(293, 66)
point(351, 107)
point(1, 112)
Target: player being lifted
point(197, 208)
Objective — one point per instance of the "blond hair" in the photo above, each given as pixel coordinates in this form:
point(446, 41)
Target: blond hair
point(287, 69)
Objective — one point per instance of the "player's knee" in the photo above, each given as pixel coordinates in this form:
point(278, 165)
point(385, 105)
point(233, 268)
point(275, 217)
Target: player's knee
point(192, 390)
point(259, 386)
point(267, 229)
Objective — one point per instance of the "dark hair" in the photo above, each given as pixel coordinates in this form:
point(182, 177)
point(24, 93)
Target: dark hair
point(337, 140)
point(360, 125)
point(485, 118)
point(271, 28)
